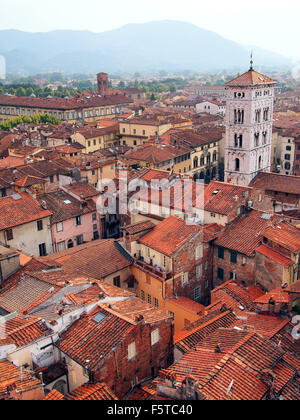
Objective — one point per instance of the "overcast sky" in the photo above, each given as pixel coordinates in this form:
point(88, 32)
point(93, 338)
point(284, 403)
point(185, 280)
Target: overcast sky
point(270, 24)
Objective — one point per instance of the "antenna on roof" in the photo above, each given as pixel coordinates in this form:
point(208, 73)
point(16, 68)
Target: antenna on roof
point(230, 388)
point(251, 61)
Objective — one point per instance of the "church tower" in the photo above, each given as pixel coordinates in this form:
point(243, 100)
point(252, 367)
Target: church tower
point(249, 121)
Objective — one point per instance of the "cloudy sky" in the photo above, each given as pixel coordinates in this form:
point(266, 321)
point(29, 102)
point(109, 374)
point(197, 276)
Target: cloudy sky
point(270, 24)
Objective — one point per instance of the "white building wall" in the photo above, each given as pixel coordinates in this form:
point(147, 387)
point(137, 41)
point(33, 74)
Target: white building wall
point(252, 98)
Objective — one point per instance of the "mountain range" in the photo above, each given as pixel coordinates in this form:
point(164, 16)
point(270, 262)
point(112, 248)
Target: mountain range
point(159, 45)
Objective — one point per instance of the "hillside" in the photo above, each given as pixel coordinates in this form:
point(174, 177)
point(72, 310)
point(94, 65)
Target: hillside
point(167, 45)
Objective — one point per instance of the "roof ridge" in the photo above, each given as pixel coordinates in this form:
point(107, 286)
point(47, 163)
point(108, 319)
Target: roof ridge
point(190, 332)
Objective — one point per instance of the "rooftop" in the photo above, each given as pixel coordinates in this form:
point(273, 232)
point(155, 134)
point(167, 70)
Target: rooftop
point(169, 235)
point(19, 209)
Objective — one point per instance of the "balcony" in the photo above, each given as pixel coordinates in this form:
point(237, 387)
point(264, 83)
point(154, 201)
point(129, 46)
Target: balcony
point(156, 272)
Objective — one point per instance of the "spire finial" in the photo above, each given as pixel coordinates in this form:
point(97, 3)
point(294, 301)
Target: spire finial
point(251, 61)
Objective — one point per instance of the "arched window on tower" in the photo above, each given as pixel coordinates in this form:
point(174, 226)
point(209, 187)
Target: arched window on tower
point(238, 140)
point(258, 115)
point(256, 139)
point(241, 140)
point(208, 159)
point(202, 161)
point(264, 134)
point(259, 162)
point(215, 156)
point(235, 140)
point(237, 165)
point(195, 163)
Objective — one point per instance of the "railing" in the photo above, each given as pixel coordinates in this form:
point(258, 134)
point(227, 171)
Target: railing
point(153, 271)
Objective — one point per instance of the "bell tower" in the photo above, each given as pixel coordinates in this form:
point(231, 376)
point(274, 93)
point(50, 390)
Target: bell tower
point(249, 122)
point(102, 82)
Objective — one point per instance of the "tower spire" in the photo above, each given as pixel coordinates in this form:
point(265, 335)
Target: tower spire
point(251, 61)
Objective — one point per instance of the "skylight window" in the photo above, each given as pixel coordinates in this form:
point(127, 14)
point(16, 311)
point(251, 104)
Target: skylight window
point(99, 317)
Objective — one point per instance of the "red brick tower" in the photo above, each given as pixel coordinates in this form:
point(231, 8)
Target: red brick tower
point(102, 81)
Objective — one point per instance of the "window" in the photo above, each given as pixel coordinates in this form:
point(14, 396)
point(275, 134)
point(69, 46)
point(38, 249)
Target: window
point(155, 337)
point(78, 221)
point(9, 235)
point(42, 250)
point(233, 257)
point(131, 351)
point(51, 179)
point(237, 165)
point(142, 295)
point(199, 252)
point(149, 300)
point(287, 157)
point(59, 227)
point(184, 279)
point(156, 303)
point(79, 239)
point(197, 293)
point(199, 271)
point(39, 225)
point(94, 217)
point(220, 273)
point(221, 252)
point(117, 281)
point(61, 246)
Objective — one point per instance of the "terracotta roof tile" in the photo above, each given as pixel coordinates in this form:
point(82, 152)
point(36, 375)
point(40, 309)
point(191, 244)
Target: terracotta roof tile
point(274, 256)
point(251, 78)
point(91, 259)
point(169, 235)
point(89, 392)
point(11, 379)
point(19, 210)
point(90, 339)
point(245, 233)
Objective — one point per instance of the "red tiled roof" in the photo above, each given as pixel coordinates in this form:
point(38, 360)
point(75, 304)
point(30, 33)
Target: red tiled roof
point(251, 78)
point(54, 396)
point(268, 181)
point(20, 331)
point(154, 154)
point(91, 259)
point(12, 379)
point(85, 340)
point(222, 198)
point(64, 206)
point(274, 256)
point(63, 104)
point(139, 227)
point(190, 337)
point(28, 181)
point(277, 295)
point(245, 233)
point(89, 392)
point(266, 325)
point(22, 209)
point(234, 297)
point(82, 190)
point(169, 235)
point(284, 234)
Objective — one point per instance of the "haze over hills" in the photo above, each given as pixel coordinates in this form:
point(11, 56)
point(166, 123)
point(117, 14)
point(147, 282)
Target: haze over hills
point(159, 45)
